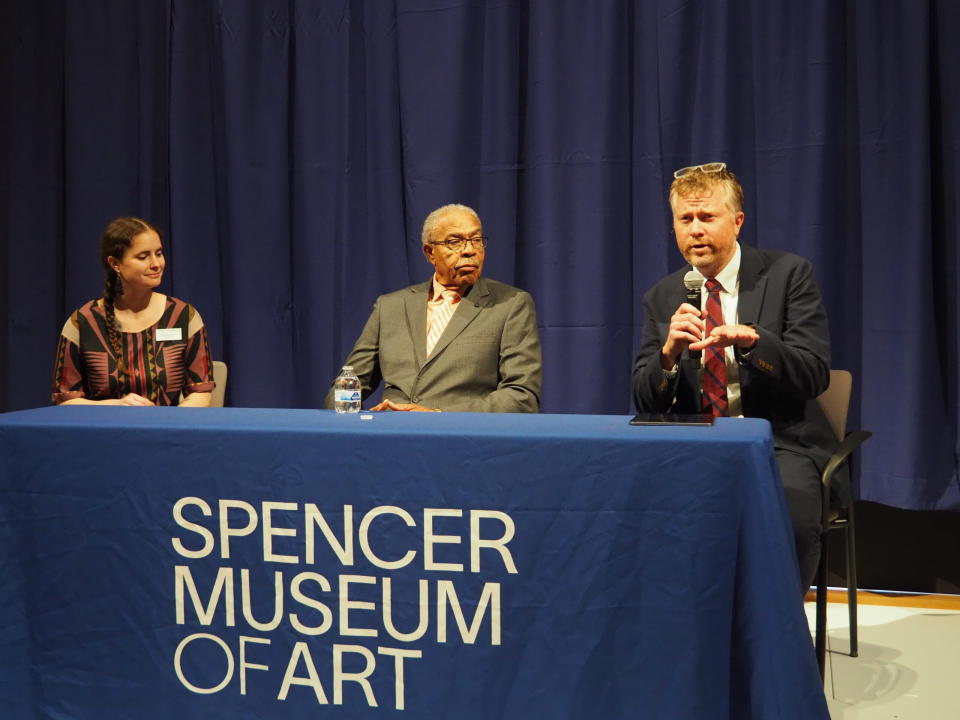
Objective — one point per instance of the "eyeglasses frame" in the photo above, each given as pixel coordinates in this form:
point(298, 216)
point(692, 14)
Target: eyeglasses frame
point(710, 167)
point(458, 245)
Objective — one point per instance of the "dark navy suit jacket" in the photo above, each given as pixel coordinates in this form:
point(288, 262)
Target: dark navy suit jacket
point(789, 366)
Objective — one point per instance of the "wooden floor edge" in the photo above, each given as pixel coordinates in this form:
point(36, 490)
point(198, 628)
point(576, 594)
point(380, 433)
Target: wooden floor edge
point(872, 597)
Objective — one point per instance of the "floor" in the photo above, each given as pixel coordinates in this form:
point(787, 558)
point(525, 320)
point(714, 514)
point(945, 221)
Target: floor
point(909, 661)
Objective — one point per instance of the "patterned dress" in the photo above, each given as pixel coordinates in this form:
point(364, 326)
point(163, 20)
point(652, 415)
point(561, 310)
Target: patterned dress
point(165, 362)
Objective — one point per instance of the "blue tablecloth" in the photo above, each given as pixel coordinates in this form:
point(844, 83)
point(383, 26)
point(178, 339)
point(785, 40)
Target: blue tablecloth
point(240, 563)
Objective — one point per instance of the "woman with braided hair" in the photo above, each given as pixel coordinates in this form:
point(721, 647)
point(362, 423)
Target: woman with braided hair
point(133, 346)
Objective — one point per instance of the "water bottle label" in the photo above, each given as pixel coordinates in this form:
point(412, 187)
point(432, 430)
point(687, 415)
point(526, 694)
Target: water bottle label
point(346, 395)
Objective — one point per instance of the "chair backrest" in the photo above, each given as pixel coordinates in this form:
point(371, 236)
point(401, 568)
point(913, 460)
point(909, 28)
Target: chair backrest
point(220, 378)
point(835, 402)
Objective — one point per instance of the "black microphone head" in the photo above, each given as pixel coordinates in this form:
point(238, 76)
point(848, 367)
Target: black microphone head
point(693, 280)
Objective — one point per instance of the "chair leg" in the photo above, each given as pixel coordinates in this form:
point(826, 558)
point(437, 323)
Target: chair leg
point(821, 611)
point(850, 535)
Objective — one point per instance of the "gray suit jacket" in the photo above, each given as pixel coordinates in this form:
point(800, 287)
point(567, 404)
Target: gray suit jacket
point(487, 360)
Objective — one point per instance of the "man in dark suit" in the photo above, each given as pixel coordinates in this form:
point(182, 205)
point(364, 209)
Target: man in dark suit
point(772, 342)
point(457, 342)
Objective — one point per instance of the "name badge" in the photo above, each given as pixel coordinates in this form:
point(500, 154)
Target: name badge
point(164, 334)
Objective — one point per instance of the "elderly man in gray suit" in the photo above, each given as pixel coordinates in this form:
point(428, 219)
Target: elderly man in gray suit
point(457, 342)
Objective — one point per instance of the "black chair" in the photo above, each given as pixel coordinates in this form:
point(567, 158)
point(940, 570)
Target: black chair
point(834, 404)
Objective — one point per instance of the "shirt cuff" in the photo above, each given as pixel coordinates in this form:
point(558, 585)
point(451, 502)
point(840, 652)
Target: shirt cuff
point(202, 387)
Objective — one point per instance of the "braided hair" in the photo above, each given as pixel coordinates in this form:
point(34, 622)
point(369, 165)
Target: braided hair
point(116, 240)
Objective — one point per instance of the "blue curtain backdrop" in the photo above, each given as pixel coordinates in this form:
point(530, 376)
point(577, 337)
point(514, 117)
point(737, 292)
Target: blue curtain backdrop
point(290, 149)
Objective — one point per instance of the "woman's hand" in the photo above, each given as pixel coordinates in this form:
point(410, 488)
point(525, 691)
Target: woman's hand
point(130, 399)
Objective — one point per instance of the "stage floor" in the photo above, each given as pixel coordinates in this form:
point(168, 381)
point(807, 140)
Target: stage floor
point(909, 655)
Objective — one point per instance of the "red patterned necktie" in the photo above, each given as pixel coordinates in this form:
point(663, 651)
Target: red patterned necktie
point(714, 368)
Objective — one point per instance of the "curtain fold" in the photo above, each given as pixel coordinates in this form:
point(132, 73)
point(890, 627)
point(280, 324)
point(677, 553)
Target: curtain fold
point(290, 150)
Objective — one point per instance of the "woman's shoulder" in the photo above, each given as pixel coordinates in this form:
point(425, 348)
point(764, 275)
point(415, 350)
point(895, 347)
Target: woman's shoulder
point(178, 304)
point(87, 310)
point(177, 308)
point(86, 314)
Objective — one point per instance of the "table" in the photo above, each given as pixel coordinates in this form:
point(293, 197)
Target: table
point(250, 563)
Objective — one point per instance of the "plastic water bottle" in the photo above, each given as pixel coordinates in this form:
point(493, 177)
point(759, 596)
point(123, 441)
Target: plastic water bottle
point(346, 391)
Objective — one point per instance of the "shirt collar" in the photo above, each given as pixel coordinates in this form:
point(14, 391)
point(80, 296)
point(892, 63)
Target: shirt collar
point(437, 289)
point(728, 277)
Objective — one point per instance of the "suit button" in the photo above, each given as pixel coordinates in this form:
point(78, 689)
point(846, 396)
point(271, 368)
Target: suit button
point(415, 400)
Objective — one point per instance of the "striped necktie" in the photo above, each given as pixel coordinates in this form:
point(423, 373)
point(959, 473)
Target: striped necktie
point(442, 310)
point(714, 368)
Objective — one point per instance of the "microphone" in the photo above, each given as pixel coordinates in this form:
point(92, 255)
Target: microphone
point(693, 281)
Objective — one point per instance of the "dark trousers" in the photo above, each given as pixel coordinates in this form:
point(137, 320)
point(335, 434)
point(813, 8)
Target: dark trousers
point(801, 485)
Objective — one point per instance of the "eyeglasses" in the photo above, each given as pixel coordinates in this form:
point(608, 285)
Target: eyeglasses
point(456, 244)
point(713, 167)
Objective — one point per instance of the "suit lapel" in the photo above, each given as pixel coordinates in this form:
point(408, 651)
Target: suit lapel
point(678, 297)
point(753, 283)
point(467, 310)
point(415, 304)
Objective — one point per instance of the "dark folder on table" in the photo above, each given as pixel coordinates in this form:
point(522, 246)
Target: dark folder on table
point(668, 419)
